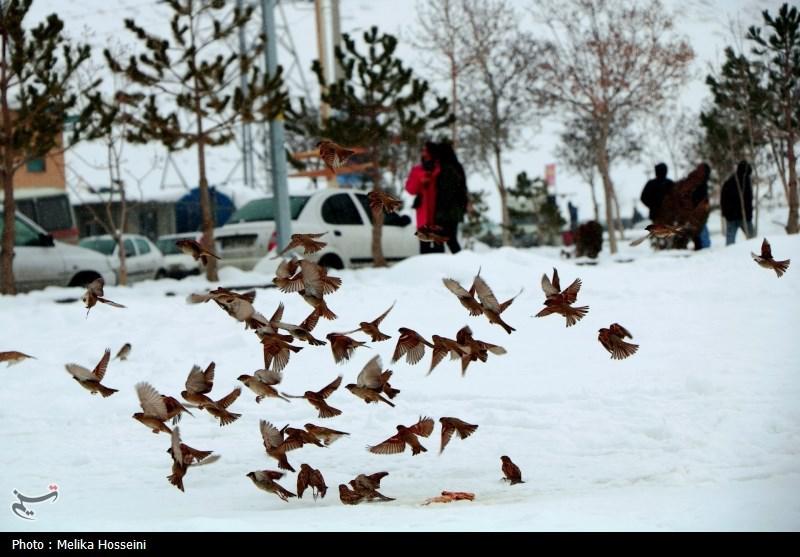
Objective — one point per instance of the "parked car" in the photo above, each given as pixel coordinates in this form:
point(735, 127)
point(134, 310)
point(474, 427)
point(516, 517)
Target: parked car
point(249, 234)
point(50, 209)
point(177, 263)
point(40, 261)
point(143, 260)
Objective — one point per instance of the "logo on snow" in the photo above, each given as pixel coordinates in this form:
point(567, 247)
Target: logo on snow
point(22, 511)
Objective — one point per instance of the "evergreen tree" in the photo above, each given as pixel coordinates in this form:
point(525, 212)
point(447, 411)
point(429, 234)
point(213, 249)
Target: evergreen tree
point(37, 94)
point(535, 205)
point(379, 105)
point(188, 83)
point(476, 222)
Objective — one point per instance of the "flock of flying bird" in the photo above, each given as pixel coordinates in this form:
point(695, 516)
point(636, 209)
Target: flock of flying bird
point(372, 385)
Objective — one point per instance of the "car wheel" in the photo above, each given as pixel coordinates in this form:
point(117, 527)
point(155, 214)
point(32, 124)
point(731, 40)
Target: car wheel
point(161, 274)
point(83, 278)
point(331, 261)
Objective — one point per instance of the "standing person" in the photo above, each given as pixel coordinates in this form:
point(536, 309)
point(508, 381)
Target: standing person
point(421, 182)
point(736, 202)
point(655, 191)
point(451, 195)
point(701, 207)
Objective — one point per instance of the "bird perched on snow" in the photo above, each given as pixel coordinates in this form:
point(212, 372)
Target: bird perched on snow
point(342, 346)
point(94, 293)
point(367, 486)
point(308, 242)
point(372, 382)
point(265, 479)
point(196, 250)
point(379, 201)
point(431, 233)
point(396, 444)
point(90, 380)
point(454, 425)
point(371, 327)
point(13, 357)
point(317, 399)
point(611, 339)
point(124, 352)
point(466, 297)
point(411, 345)
point(261, 383)
point(349, 497)
point(560, 302)
point(490, 307)
point(311, 477)
point(277, 445)
point(333, 155)
point(661, 231)
point(511, 471)
point(324, 434)
point(766, 260)
point(154, 408)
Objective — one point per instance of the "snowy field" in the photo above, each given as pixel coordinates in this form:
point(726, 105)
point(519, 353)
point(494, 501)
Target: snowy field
point(700, 430)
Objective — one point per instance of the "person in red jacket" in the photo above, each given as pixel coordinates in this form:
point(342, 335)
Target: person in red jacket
point(422, 183)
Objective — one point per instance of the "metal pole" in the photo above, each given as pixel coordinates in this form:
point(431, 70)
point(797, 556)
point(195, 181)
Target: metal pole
point(247, 137)
point(336, 39)
point(280, 186)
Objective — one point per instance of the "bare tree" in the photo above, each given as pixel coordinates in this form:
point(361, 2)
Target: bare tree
point(608, 61)
point(495, 108)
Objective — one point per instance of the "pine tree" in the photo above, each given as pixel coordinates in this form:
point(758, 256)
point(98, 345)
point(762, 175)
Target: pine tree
point(37, 94)
point(194, 75)
point(476, 221)
point(378, 104)
point(535, 205)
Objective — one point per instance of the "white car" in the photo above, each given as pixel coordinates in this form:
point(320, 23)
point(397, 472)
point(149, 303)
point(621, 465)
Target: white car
point(143, 260)
point(177, 263)
point(249, 234)
point(40, 261)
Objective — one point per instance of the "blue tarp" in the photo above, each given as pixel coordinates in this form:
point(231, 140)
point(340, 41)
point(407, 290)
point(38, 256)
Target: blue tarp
point(188, 217)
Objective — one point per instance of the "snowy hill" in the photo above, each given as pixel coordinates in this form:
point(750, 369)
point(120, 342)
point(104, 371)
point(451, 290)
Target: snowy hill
point(697, 431)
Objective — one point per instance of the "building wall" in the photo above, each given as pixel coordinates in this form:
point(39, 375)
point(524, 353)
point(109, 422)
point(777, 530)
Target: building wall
point(151, 219)
point(52, 176)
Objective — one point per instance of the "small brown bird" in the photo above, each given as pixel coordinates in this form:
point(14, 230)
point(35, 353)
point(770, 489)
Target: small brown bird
point(765, 260)
point(367, 486)
point(154, 408)
point(333, 155)
point(302, 435)
point(94, 293)
point(198, 384)
point(184, 456)
point(466, 297)
point(276, 445)
point(239, 306)
point(124, 352)
point(371, 327)
point(261, 383)
point(560, 302)
point(379, 201)
point(475, 349)
point(324, 434)
point(311, 477)
point(174, 409)
point(490, 306)
point(405, 436)
point(277, 349)
point(196, 250)
point(372, 382)
point(308, 242)
point(316, 284)
point(431, 233)
point(511, 471)
point(349, 497)
point(317, 399)
point(90, 380)
point(265, 479)
point(301, 332)
point(13, 357)
point(411, 345)
point(443, 346)
point(611, 339)
point(661, 231)
point(451, 425)
point(342, 346)
point(287, 279)
point(219, 408)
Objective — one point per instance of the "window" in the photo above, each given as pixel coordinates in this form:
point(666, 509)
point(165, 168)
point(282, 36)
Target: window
point(36, 165)
point(143, 246)
point(25, 235)
point(130, 251)
point(54, 213)
point(264, 209)
point(101, 245)
point(167, 246)
point(340, 209)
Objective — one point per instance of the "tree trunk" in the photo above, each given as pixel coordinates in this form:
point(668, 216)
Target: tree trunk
point(594, 202)
point(608, 188)
point(620, 228)
point(6, 177)
point(501, 188)
point(454, 93)
point(205, 198)
point(792, 223)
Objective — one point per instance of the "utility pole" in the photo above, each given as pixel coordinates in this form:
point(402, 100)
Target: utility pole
point(280, 186)
point(247, 135)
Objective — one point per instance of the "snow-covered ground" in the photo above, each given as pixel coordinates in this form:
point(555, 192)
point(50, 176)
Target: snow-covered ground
point(700, 430)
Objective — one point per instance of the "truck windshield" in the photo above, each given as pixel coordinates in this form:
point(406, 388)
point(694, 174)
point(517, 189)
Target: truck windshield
point(103, 245)
point(264, 209)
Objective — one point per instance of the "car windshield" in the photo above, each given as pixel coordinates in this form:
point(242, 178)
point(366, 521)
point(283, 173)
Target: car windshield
point(167, 246)
point(103, 245)
point(264, 209)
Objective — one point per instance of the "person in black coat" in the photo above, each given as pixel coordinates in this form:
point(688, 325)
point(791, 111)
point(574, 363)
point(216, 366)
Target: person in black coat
point(654, 192)
point(736, 202)
point(451, 196)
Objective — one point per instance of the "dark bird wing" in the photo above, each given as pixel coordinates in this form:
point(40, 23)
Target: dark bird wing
point(485, 295)
point(393, 445)
point(100, 369)
point(151, 401)
point(326, 391)
point(570, 294)
point(423, 428)
point(382, 316)
point(447, 433)
point(230, 398)
point(766, 249)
